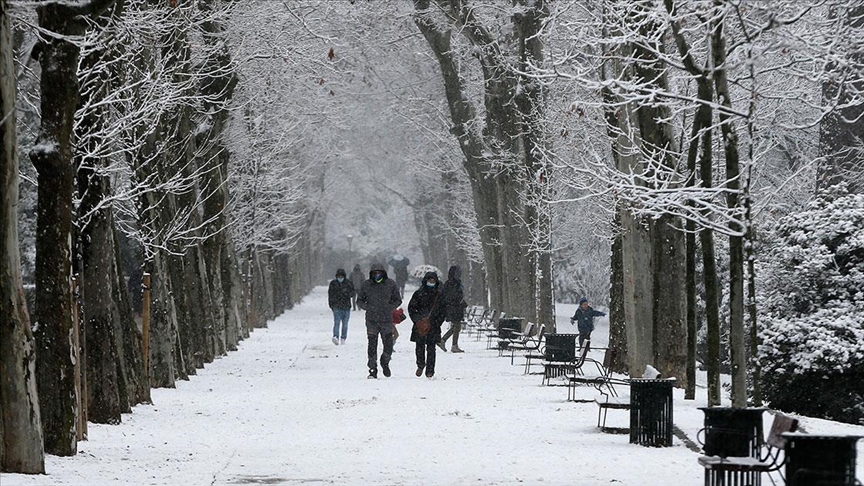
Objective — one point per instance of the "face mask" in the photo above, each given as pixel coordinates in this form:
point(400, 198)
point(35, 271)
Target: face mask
point(340, 279)
point(431, 284)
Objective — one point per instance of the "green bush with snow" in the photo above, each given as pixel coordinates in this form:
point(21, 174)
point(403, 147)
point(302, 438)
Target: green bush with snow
point(812, 310)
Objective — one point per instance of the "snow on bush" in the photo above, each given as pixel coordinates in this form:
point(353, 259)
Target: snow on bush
point(812, 310)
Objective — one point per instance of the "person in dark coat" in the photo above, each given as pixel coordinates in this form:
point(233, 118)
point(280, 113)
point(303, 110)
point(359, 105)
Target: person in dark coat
point(400, 271)
point(584, 318)
point(426, 302)
point(356, 279)
point(339, 297)
point(378, 296)
point(453, 298)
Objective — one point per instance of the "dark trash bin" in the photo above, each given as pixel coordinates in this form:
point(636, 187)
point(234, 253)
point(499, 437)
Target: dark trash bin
point(561, 347)
point(732, 432)
point(820, 460)
point(651, 412)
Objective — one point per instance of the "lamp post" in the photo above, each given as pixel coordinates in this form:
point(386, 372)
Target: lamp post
point(350, 239)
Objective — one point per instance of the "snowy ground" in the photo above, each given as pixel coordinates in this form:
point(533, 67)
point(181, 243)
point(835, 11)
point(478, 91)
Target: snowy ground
point(291, 408)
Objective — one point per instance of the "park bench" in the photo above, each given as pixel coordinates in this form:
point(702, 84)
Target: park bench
point(515, 338)
point(473, 318)
point(726, 471)
point(528, 344)
point(601, 379)
point(487, 324)
point(604, 382)
point(555, 368)
point(504, 328)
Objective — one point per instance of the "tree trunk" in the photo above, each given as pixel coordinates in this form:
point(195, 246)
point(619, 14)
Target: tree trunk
point(164, 334)
point(498, 178)
point(21, 444)
point(106, 391)
point(218, 90)
point(841, 133)
point(52, 157)
point(106, 373)
point(702, 130)
point(617, 322)
point(737, 340)
point(618, 300)
point(137, 382)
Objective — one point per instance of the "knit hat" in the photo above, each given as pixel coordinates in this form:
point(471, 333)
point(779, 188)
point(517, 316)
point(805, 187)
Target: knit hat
point(582, 300)
point(341, 273)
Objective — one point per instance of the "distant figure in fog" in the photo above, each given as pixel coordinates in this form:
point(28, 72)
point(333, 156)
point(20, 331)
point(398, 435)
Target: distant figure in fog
point(357, 279)
point(378, 296)
point(400, 271)
point(339, 297)
point(584, 319)
point(135, 286)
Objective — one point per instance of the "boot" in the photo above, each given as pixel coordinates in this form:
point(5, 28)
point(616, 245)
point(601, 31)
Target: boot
point(455, 348)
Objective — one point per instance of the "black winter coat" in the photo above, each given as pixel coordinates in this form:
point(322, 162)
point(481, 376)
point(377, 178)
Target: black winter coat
point(379, 299)
point(453, 296)
point(426, 301)
point(339, 295)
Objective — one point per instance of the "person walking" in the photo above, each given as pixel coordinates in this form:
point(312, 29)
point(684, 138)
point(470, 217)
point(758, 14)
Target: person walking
point(584, 319)
point(356, 279)
point(425, 305)
point(378, 296)
point(453, 299)
point(400, 271)
point(339, 296)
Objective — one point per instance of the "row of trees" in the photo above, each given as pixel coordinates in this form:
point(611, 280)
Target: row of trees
point(673, 113)
point(219, 153)
point(152, 158)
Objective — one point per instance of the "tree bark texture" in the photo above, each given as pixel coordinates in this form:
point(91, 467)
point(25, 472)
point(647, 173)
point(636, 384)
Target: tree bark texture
point(737, 339)
point(617, 322)
point(52, 158)
point(107, 373)
point(218, 88)
point(21, 442)
point(667, 238)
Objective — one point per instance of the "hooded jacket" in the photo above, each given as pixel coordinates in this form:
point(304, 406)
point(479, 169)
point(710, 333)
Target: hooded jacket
point(453, 296)
point(585, 317)
point(379, 299)
point(426, 301)
point(339, 294)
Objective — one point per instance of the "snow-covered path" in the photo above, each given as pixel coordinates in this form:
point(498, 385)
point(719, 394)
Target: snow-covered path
point(291, 408)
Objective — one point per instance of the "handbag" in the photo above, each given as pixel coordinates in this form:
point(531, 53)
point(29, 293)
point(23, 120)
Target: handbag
point(424, 325)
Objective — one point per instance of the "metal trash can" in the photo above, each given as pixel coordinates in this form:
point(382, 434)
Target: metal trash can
point(820, 459)
point(561, 347)
point(651, 412)
point(507, 326)
point(733, 432)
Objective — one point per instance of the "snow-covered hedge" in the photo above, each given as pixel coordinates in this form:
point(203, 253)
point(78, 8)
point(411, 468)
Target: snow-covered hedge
point(812, 310)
